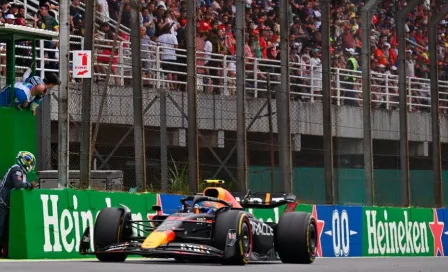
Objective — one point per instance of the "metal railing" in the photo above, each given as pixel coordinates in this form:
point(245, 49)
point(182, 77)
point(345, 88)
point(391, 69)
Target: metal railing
point(218, 75)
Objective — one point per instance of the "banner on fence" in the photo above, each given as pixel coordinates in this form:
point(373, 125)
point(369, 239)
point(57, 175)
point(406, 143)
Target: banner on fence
point(50, 223)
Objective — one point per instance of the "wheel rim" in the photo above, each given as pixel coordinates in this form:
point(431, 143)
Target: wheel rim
point(313, 239)
point(246, 239)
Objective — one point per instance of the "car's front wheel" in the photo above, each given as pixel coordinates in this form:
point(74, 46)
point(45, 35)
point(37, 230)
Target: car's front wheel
point(239, 253)
point(109, 230)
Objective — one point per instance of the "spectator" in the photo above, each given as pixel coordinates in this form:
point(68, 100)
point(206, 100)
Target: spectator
point(10, 19)
point(103, 9)
point(114, 8)
point(147, 57)
point(21, 12)
point(262, 26)
point(48, 4)
point(104, 55)
point(14, 10)
point(43, 20)
point(168, 57)
point(27, 96)
point(126, 17)
point(4, 7)
point(76, 18)
point(148, 22)
point(50, 80)
point(350, 76)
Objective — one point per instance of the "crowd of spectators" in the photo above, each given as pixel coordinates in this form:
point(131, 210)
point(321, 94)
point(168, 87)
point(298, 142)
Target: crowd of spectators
point(163, 22)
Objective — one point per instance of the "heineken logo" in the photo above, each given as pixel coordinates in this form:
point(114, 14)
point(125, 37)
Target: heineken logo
point(404, 236)
point(63, 229)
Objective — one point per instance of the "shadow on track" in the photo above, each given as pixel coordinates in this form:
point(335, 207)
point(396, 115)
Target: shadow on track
point(172, 262)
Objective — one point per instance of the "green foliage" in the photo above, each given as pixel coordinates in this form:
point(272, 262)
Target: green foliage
point(178, 178)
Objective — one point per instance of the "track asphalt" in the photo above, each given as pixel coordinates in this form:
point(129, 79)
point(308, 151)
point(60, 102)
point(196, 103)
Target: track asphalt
point(421, 264)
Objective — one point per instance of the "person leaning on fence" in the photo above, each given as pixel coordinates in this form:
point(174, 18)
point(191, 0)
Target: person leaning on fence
point(27, 96)
point(50, 80)
point(14, 178)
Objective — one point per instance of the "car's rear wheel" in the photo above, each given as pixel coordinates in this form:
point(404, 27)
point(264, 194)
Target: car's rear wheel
point(109, 230)
point(239, 254)
point(296, 238)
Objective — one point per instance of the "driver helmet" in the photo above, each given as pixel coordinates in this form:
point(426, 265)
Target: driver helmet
point(205, 207)
point(26, 161)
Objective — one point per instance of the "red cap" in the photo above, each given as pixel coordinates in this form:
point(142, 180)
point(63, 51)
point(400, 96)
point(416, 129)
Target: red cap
point(204, 27)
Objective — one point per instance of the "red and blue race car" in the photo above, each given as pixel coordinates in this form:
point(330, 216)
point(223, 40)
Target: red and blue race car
point(213, 226)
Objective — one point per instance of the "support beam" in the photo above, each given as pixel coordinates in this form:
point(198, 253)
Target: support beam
point(77, 127)
point(106, 83)
point(326, 105)
point(43, 122)
point(193, 156)
point(366, 19)
point(403, 91)
point(86, 124)
point(252, 122)
point(63, 119)
point(283, 103)
point(241, 143)
point(271, 134)
point(435, 117)
point(44, 132)
point(163, 142)
point(207, 143)
point(123, 138)
point(137, 86)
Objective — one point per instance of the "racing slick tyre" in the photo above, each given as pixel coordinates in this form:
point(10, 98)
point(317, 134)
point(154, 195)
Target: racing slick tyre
point(109, 230)
point(296, 238)
point(240, 253)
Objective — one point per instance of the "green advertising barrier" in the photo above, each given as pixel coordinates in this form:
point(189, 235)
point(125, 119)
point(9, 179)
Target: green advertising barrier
point(374, 231)
point(397, 232)
point(48, 224)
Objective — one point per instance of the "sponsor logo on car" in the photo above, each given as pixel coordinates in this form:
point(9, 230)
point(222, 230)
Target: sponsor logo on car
point(118, 247)
point(259, 228)
point(195, 248)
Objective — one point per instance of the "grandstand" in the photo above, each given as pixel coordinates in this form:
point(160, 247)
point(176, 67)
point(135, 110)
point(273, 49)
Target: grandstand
point(216, 76)
point(305, 61)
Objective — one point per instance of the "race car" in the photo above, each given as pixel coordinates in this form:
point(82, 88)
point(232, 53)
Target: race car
point(213, 226)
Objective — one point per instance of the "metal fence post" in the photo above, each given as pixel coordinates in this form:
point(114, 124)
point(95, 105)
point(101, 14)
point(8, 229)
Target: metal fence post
point(404, 144)
point(367, 121)
point(63, 119)
point(435, 115)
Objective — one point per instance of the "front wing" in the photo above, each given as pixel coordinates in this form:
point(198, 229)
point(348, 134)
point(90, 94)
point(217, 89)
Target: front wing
point(171, 250)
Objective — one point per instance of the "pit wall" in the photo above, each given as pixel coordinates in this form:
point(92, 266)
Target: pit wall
point(48, 224)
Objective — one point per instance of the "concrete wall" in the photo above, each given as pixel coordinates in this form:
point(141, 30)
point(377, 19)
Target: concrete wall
point(219, 113)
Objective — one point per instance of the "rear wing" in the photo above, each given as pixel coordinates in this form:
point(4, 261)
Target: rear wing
point(264, 200)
